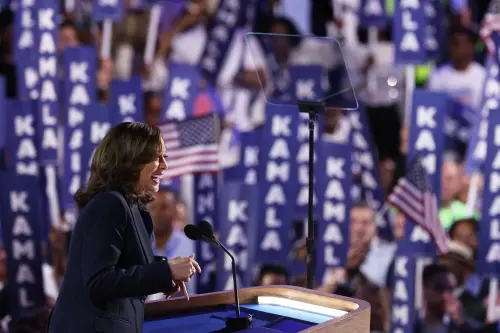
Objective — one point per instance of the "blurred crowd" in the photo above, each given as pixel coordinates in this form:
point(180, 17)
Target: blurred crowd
point(454, 297)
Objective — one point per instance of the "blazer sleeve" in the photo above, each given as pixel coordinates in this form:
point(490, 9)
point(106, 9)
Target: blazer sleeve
point(105, 224)
point(160, 258)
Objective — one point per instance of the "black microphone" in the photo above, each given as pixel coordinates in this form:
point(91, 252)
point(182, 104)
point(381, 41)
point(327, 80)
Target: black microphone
point(205, 232)
point(194, 233)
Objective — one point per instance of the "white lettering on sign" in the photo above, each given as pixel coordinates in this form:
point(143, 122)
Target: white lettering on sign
point(236, 238)
point(334, 212)
point(409, 41)
point(23, 246)
point(81, 76)
point(180, 94)
point(277, 175)
point(493, 187)
point(401, 308)
point(47, 74)
point(425, 145)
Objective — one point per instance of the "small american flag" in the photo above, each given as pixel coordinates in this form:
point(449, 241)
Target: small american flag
point(191, 146)
point(413, 195)
point(490, 27)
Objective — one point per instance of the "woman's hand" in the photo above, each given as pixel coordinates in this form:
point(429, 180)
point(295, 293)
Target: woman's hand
point(183, 269)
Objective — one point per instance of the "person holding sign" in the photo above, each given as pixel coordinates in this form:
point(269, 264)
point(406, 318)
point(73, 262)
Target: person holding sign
point(111, 267)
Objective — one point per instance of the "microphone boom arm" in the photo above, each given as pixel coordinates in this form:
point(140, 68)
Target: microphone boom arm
point(235, 281)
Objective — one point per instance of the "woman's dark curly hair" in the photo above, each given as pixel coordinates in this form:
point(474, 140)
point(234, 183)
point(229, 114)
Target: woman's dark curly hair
point(118, 161)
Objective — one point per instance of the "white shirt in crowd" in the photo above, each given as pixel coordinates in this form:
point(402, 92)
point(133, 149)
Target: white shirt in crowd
point(383, 84)
point(466, 86)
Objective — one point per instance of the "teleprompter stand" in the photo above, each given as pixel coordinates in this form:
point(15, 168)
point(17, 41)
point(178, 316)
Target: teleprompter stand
point(311, 108)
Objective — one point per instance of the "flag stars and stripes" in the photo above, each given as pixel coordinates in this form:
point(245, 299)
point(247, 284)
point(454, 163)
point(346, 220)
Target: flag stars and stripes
point(414, 196)
point(191, 146)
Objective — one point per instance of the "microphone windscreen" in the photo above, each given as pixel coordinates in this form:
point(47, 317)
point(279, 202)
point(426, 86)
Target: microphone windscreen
point(206, 228)
point(192, 232)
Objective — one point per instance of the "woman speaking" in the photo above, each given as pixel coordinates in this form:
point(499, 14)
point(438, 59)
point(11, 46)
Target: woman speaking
point(111, 267)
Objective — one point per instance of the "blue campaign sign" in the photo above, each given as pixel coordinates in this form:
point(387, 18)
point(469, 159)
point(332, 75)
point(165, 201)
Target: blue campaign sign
point(246, 169)
point(205, 208)
point(409, 32)
point(335, 197)
point(277, 183)
point(306, 85)
point(307, 82)
point(489, 233)
point(126, 100)
point(26, 53)
point(25, 29)
point(108, 10)
point(228, 17)
point(20, 193)
point(403, 295)
point(372, 14)
point(95, 126)
point(476, 150)
point(238, 215)
point(435, 32)
point(79, 93)
point(21, 143)
point(180, 92)
point(426, 138)
point(48, 29)
point(458, 123)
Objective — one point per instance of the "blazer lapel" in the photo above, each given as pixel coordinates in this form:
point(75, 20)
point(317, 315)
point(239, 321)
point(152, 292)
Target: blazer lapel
point(140, 229)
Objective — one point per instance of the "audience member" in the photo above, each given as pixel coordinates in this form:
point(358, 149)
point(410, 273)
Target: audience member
point(68, 35)
point(368, 255)
point(152, 107)
point(181, 218)
point(270, 275)
point(169, 241)
point(441, 311)
point(451, 208)
point(465, 231)
point(461, 78)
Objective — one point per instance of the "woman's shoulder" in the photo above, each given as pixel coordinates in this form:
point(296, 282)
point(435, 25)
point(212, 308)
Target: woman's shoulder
point(109, 199)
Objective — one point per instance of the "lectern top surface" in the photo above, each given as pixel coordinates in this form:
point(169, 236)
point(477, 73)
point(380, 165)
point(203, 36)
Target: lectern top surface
point(266, 318)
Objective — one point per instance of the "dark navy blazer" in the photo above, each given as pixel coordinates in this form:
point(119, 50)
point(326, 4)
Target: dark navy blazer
point(110, 270)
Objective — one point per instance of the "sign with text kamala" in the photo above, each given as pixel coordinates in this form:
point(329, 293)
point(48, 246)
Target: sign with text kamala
point(21, 190)
point(409, 32)
point(489, 249)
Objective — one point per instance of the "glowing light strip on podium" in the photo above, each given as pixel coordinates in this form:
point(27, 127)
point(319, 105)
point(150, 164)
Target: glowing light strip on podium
point(297, 305)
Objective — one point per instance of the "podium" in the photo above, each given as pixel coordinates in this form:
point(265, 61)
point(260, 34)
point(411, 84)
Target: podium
point(274, 309)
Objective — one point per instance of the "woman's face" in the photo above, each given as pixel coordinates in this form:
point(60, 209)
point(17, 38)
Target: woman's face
point(151, 173)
